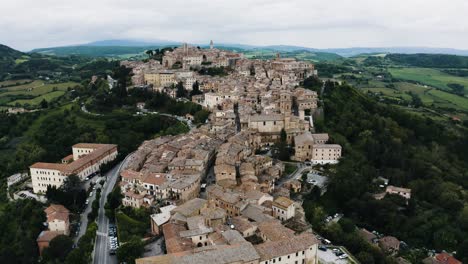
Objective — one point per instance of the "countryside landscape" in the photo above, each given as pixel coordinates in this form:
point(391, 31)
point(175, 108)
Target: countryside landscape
point(246, 132)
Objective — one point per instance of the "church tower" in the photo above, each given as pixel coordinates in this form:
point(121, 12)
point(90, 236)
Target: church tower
point(211, 44)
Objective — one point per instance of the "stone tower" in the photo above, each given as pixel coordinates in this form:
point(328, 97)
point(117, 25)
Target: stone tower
point(211, 44)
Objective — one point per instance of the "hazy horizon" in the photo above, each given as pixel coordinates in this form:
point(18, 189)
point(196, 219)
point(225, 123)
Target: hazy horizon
point(313, 24)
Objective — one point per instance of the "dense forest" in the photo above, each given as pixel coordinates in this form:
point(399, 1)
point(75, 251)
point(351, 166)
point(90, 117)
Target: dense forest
point(430, 60)
point(411, 151)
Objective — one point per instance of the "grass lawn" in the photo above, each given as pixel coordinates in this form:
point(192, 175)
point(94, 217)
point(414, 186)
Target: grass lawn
point(431, 77)
point(289, 168)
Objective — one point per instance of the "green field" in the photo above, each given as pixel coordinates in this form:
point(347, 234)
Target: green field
point(37, 100)
point(428, 96)
point(14, 82)
point(33, 93)
point(431, 77)
point(23, 86)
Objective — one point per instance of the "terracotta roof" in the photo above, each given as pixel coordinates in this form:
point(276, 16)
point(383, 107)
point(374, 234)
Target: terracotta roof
point(274, 230)
point(78, 165)
point(49, 166)
point(175, 243)
point(283, 202)
point(87, 145)
point(389, 243)
point(242, 224)
point(47, 236)
point(283, 247)
point(445, 258)
point(57, 211)
point(154, 178)
point(130, 174)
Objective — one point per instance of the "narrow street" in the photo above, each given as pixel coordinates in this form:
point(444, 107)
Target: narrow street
point(101, 247)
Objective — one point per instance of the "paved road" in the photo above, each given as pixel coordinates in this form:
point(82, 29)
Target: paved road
point(84, 214)
point(296, 175)
point(101, 248)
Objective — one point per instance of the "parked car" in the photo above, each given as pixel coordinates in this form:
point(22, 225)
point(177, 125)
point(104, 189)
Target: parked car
point(87, 202)
point(323, 248)
point(343, 256)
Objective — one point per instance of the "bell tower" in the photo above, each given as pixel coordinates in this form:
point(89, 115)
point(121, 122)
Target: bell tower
point(211, 44)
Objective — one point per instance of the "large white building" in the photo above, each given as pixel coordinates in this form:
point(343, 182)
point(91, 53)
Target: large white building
point(85, 161)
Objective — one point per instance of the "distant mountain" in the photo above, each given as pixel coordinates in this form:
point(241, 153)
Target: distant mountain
point(130, 43)
point(96, 51)
point(118, 47)
point(349, 52)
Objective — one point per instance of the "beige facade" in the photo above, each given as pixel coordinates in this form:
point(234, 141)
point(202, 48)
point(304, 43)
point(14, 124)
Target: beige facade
point(160, 79)
point(225, 174)
point(312, 147)
point(283, 208)
point(87, 159)
point(267, 123)
point(301, 249)
point(326, 153)
point(58, 219)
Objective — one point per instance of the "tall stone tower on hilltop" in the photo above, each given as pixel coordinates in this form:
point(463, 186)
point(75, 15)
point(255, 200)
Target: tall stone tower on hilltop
point(211, 44)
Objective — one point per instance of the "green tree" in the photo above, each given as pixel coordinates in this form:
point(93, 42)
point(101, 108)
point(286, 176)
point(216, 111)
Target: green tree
point(130, 251)
point(58, 249)
point(181, 91)
point(195, 89)
point(44, 104)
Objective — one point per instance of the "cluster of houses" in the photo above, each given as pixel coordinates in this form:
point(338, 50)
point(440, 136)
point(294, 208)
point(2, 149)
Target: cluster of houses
point(241, 215)
point(239, 220)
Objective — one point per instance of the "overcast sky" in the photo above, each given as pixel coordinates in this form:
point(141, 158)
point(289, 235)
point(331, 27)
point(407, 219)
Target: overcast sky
point(28, 24)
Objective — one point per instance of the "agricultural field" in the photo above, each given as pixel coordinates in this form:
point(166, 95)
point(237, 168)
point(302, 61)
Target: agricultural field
point(429, 96)
point(13, 82)
point(431, 77)
point(31, 94)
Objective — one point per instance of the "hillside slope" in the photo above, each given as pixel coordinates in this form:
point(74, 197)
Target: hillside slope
point(8, 56)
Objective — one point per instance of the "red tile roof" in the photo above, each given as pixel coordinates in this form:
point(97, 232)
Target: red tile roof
point(57, 211)
point(445, 258)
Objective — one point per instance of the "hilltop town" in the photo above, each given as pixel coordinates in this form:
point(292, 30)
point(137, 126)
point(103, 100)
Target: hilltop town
point(239, 213)
point(236, 181)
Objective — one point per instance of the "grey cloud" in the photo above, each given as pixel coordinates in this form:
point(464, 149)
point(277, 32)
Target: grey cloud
point(27, 24)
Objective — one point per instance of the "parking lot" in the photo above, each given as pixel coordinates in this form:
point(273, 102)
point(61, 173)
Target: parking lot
point(329, 256)
point(316, 179)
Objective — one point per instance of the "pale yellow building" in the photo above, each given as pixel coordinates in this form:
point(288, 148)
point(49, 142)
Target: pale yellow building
point(283, 208)
point(85, 161)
